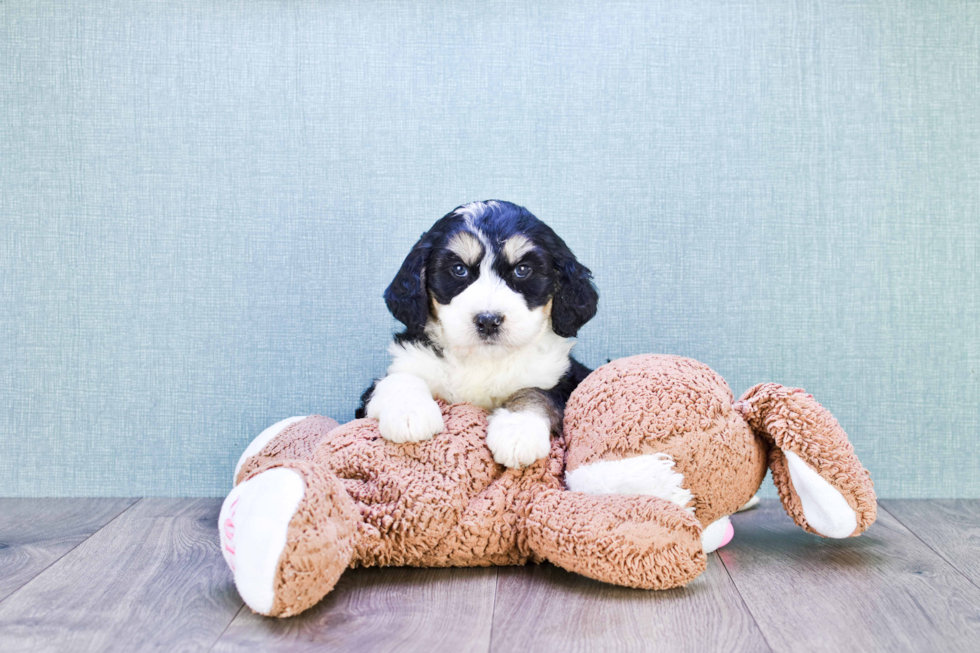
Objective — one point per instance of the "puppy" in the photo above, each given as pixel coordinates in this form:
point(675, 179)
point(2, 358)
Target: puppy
point(490, 298)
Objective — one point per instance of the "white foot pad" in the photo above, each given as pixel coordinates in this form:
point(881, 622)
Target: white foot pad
point(750, 504)
point(253, 524)
point(265, 437)
point(717, 534)
point(825, 508)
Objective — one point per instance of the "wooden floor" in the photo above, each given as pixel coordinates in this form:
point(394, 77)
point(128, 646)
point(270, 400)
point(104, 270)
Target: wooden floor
point(140, 575)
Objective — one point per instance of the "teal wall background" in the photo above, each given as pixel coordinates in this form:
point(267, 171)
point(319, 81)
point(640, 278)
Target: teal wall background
point(202, 202)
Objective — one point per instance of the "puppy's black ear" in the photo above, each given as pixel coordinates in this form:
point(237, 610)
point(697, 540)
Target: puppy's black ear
point(406, 296)
point(576, 298)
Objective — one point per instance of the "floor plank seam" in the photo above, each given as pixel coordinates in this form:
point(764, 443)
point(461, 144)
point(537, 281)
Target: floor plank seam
point(745, 603)
point(81, 542)
point(493, 610)
point(929, 546)
point(225, 629)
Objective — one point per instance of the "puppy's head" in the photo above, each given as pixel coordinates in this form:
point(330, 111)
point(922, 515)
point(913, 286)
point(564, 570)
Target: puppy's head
point(491, 277)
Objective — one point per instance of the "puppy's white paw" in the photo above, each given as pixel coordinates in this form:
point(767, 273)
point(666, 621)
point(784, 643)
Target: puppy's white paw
point(405, 421)
point(405, 409)
point(518, 439)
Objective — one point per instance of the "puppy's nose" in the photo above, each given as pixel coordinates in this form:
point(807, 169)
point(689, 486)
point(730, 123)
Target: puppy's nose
point(488, 323)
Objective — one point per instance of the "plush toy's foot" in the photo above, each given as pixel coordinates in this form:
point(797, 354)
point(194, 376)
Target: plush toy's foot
point(717, 534)
point(750, 504)
point(653, 475)
point(822, 484)
point(286, 533)
point(631, 540)
point(254, 523)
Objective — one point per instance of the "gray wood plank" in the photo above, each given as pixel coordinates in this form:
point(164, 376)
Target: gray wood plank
point(951, 528)
point(883, 591)
point(381, 609)
point(544, 608)
point(34, 533)
point(152, 579)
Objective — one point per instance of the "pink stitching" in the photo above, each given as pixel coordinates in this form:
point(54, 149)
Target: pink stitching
point(230, 533)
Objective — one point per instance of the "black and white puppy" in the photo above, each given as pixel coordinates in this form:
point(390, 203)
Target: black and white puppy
point(490, 298)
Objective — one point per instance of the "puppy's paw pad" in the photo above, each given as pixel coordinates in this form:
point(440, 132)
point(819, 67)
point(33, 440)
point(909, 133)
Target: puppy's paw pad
point(411, 422)
point(518, 439)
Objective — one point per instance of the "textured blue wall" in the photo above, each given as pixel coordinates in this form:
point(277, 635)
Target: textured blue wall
point(202, 201)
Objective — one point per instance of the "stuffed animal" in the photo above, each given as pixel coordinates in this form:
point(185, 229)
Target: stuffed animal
point(654, 457)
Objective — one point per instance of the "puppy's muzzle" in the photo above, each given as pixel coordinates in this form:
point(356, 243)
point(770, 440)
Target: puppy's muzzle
point(488, 324)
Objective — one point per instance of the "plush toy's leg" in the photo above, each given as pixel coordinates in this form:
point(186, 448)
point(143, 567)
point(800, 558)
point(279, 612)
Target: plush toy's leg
point(630, 540)
point(263, 439)
point(294, 438)
point(652, 475)
point(822, 484)
point(287, 534)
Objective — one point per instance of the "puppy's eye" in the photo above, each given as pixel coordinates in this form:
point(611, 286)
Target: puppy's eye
point(522, 271)
point(459, 270)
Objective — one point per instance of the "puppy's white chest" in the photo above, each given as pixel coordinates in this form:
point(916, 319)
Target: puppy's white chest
point(488, 383)
point(484, 381)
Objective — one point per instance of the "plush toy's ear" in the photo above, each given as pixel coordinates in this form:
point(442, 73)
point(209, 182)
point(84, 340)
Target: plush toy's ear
point(576, 298)
point(406, 296)
point(822, 484)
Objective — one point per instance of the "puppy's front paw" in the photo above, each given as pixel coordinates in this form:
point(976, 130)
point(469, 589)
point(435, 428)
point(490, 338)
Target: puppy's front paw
point(410, 421)
point(518, 439)
point(405, 409)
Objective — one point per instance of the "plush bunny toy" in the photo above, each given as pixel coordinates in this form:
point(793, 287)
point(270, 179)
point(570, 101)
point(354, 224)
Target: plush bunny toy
point(654, 458)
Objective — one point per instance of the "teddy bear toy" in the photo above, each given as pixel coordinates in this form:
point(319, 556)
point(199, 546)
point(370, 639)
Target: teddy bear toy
point(654, 457)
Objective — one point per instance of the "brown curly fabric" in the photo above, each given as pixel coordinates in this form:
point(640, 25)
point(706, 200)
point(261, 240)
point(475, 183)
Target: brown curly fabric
point(794, 421)
point(445, 502)
point(412, 496)
point(634, 541)
point(668, 404)
point(297, 441)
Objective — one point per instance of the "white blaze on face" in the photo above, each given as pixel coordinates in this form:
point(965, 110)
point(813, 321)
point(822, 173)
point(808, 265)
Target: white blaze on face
point(490, 294)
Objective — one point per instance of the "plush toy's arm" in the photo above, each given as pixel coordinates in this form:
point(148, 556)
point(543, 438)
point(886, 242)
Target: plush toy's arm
point(631, 540)
point(820, 480)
